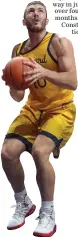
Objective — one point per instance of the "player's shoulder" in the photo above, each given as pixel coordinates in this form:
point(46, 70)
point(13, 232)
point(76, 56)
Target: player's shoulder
point(14, 50)
point(62, 39)
point(17, 48)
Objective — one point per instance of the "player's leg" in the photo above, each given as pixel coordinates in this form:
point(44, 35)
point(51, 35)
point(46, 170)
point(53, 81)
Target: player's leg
point(19, 138)
point(10, 154)
point(11, 151)
point(41, 151)
point(55, 132)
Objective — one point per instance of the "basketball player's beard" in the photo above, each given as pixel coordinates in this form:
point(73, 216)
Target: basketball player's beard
point(35, 28)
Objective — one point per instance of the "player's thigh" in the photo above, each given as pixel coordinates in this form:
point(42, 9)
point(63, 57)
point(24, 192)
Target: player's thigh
point(24, 128)
point(68, 115)
point(59, 127)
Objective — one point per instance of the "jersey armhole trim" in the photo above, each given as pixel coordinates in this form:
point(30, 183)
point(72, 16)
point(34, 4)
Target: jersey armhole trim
point(18, 50)
point(52, 57)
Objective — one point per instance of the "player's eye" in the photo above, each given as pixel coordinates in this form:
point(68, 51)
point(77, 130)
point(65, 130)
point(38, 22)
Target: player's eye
point(41, 10)
point(31, 10)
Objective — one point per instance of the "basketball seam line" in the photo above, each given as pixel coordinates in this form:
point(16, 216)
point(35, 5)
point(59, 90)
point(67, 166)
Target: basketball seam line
point(16, 87)
point(22, 74)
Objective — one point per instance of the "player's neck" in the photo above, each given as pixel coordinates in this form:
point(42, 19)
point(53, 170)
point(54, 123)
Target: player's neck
point(35, 38)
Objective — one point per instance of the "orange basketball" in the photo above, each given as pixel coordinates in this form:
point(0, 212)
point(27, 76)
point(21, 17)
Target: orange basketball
point(13, 73)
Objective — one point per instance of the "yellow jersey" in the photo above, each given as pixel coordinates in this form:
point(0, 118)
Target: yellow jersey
point(44, 94)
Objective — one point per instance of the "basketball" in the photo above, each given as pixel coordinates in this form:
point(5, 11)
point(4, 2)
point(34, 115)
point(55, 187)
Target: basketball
point(13, 73)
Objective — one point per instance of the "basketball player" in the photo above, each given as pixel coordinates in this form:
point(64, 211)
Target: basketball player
point(46, 122)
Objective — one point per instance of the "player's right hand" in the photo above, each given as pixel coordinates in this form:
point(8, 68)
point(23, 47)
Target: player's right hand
point(3, 77)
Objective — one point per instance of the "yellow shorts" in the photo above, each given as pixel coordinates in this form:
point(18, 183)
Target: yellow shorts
point(57, 125)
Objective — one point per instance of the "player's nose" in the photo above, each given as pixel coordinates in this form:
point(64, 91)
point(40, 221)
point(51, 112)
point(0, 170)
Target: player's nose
point(36, 13)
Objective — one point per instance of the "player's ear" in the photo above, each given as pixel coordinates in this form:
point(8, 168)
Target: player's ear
point(47, 21)
point(24, 22)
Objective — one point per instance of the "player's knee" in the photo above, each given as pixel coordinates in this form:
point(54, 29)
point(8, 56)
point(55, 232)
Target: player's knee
point(40, 155)
point(37, 151)
point(12, 149)
point(7, 153)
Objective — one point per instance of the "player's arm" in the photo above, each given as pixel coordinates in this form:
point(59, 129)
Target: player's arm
point(66, 77)
point(17, 95)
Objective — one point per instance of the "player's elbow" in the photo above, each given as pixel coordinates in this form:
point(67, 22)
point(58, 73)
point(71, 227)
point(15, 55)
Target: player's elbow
point(74, 81)
point(74, 86)
point(18, 99)
point(17, 95)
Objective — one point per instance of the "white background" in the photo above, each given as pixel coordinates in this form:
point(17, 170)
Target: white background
point(66, 168)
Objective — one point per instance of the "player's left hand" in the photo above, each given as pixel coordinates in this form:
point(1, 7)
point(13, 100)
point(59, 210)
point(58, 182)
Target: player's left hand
point(36, 74)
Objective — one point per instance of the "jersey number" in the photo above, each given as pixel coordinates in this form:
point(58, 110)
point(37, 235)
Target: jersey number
point(37, 84)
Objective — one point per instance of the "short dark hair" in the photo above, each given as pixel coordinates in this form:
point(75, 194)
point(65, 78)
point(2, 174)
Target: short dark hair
point(36, 2)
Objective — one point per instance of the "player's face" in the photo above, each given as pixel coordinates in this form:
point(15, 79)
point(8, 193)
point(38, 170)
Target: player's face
point(35, 18)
